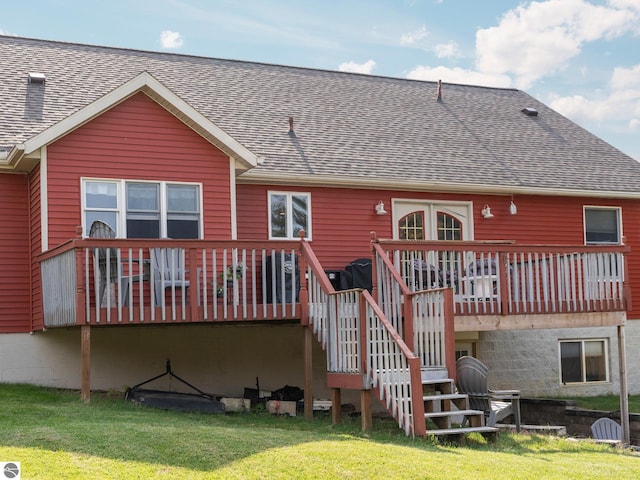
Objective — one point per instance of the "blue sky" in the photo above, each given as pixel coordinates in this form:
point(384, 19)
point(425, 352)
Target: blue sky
point(581, 57)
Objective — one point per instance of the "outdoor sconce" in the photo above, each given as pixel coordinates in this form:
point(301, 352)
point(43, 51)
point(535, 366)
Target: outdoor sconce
point(486, 212)
point(513, 209)
point(380, 208)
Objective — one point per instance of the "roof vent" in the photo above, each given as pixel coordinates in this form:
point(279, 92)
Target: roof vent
point(38, 78)
point(531, 112)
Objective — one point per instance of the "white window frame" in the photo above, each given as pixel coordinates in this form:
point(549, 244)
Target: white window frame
point(618, 211)
point(121, 210)
point(289, 221)
point(584, 381)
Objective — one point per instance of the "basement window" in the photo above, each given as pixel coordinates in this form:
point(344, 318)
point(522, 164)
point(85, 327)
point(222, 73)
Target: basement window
point(584, 361)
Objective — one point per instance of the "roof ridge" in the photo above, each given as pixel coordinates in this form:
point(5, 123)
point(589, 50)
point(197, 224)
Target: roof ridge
point(250, 62)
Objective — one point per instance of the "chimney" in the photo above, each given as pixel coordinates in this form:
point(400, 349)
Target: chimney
point(290, 124)
point(439, 91)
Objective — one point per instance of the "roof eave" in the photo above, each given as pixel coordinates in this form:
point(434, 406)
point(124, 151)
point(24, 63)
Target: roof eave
point(18, 161)
point(414, 186)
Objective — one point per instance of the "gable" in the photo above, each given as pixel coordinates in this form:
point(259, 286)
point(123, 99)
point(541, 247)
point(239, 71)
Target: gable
point(136, 140)
point(24, 156)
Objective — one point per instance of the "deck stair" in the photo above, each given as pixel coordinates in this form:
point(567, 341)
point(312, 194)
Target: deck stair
point(444, 408)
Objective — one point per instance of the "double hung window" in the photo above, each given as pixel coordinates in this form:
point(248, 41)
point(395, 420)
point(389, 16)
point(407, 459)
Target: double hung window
point(289, 213)
point(137, 209)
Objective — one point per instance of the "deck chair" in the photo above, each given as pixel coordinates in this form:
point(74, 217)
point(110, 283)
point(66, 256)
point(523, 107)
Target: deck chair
point(606, 429)
point(107, 269)
point(482, 275)
point(168, 269)
point(471, 379)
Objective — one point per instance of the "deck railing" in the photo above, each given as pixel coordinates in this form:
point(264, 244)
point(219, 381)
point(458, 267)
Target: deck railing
point(503, 278)
point(360, 341)
point(106, 281)
point(392, 369)
point(424, 318)
point(59, 281)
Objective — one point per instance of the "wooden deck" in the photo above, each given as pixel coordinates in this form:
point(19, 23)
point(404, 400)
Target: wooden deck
point(117, 282)
point(495, 286)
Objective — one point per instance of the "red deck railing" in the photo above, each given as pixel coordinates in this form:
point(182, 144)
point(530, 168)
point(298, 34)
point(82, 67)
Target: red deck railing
point(502, 278)
point(117, 281)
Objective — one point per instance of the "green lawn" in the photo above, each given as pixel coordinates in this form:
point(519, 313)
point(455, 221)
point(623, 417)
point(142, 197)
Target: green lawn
point(609, 403)
point(54, 436)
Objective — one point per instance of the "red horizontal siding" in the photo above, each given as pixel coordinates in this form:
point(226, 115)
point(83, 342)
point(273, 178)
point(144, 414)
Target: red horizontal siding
point(14, 254)
point(342, 220)
point(136, 140)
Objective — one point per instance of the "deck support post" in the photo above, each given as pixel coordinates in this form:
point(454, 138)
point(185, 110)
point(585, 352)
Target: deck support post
point(624, 399)
point(365, 408)
point(336, 406)
point(308, 373)
point(85, 359)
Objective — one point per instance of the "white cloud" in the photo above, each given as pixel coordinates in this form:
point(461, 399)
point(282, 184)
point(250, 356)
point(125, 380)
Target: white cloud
point(625, 78)
point(459, 75)
point(536, 39)
point(582, 109)
point(630, 4)
point(171, 39)
point(447, 50)
point(354, 67)
point(412, 38)
point(634, 124)
point(620, 103)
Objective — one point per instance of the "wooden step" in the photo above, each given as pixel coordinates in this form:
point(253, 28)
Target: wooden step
point(461, 431)
point(433, 373)
point(452, 413)
point(444, 396)
point(444, 401)
point(445, 385)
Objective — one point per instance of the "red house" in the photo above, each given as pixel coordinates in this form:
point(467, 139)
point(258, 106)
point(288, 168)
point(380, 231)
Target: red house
point(502, 230)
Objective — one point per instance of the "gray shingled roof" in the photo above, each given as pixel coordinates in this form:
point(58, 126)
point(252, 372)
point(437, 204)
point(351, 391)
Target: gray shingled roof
point(350, 128)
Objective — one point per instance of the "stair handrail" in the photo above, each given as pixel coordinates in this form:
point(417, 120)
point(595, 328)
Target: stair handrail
point(424, 318)
point(371, 348)
point(392, 369)
point(318, 289)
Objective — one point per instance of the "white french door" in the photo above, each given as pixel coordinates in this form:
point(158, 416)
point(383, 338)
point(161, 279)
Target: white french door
point(432, 220)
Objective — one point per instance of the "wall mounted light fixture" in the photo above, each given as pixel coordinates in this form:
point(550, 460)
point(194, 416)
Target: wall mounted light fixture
point(486, 212)
point(380, 208)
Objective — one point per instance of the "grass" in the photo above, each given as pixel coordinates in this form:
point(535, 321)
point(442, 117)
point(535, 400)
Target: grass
point(54, 435)
point(608, 403)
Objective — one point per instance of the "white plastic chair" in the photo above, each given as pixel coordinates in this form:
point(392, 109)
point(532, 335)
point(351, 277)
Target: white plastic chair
point(168, 270)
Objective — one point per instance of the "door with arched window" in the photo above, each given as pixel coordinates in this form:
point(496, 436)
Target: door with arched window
point(432, 220)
